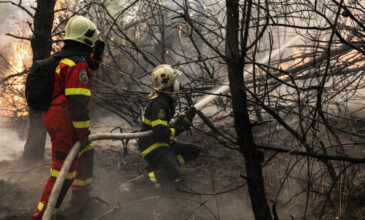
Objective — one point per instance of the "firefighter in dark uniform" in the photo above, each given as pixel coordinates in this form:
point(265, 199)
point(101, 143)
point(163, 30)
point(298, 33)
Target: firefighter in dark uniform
point(67, 119)
point(163, 154)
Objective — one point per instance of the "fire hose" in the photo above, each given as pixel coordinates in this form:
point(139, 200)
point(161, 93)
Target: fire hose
point(71, 157)
point(112, 136)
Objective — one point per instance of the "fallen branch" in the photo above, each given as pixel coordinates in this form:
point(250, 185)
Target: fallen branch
point(109, 212)
point(314, 155)
point(119, 207)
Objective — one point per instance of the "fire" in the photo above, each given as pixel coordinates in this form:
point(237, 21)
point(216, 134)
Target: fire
point(60, 4)
point(22, 57)
point(12, 101)
point(297, 59)
point(297, 55)
point(283, 66)
point(351, 59)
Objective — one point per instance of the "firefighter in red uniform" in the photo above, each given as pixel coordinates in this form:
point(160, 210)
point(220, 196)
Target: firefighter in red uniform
point(67, 119)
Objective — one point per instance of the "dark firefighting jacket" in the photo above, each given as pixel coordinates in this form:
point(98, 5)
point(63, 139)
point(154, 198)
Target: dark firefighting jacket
point(157, 114)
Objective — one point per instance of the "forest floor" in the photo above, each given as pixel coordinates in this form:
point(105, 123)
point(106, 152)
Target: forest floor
point(21, 185)
point(214, 187)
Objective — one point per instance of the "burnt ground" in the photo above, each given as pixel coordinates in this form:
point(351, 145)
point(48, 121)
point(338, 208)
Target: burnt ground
point(214, 188)
point(217, 170)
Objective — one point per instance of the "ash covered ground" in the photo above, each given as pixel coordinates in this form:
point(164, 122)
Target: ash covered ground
point(22, 184)
point(214, 187)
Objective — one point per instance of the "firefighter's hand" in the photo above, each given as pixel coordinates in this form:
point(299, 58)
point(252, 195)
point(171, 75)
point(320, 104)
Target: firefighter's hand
point(99, 50)
point(84, 144)
point(190, 113)
point(182, 125)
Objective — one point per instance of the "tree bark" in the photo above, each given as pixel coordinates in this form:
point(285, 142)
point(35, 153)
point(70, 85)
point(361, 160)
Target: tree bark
point(253, 157)
point(41, 46)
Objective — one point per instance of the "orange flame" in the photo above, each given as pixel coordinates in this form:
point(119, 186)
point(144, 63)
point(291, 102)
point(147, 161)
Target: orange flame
point(297, 55)
point(283, 66)
point(349, 58)
point(12, 101)
point(22, 57)
point(60, 4)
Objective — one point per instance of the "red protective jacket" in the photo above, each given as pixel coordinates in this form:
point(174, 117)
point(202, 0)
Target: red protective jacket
point(72, 82)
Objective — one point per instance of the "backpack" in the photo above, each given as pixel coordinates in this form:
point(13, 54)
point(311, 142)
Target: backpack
point(40, 82)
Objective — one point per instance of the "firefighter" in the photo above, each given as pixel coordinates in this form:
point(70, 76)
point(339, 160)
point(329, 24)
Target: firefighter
point(67, 119)
point(163, 154)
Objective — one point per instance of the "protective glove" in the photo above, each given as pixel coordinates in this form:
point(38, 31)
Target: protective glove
point(99, 50)
point(190, 113)
point(182, 125)
point(96, 57)
point(84, 144)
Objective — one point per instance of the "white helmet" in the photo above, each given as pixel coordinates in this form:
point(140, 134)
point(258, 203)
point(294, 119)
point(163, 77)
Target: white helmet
point(81, 29)
point(163, 76)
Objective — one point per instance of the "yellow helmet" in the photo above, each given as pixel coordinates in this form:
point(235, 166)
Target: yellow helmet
point(163, 76)
point(81, 29)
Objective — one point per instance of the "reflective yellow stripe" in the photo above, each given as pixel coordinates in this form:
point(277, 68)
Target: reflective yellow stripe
point(77, 91)
point(172, 135)
point(40, 206)
point(81, 124)
point(58, 69)
point(154, 146)
point(89, 147)
point(180, 159)
point(69, 175)
point(153, 179)
point(83, 182)
point(54, 211)
point(158, 122)
point(146, 121)
point(154, 123)
point(152, 176)
point(68, 62)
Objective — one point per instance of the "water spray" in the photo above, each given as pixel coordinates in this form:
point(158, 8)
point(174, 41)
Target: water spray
point(225, 87)
point(123, 136)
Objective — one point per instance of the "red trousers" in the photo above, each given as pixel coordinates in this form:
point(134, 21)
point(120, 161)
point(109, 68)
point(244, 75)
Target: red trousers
point(59, 126)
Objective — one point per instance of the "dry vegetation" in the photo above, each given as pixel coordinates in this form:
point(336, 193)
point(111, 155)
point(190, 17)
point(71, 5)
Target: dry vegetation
point(303, 88)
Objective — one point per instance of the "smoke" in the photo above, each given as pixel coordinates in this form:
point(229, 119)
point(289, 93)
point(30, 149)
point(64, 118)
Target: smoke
point(6, 23)
point(14, 21)
point(11, 145)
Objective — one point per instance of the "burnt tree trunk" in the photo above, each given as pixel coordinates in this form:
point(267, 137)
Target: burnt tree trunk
point(235, 63)
point(41, 46)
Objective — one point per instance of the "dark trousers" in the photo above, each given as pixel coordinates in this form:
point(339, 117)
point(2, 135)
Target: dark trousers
point(163, 164)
